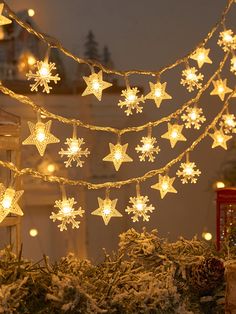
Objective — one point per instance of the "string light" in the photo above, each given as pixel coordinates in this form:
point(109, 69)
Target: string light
point(201, 56)
point(107, 209)
point(148, 148)
point(9, 198)
point(3, 20)
point(95, 85)
point(207, 236)
point(74, 151)
point(188, 172)
point(132, 100)
point(139, 207)
point(43, 76)
point(220, 184)
point(158, 93)
point(66, 214)
point(193, 117)
point(227, 40)
point(118, 155)
point(220, 139)
point(40, 135)
point(174, 134)
point(191, 79)
point(33, 232)
point(31, 12)
point(165, 185)
point(220, 88)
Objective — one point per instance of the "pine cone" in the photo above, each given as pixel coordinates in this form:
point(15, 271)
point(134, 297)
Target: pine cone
point(206, 275)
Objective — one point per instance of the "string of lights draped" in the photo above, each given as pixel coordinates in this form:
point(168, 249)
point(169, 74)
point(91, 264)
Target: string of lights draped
point(132, 100)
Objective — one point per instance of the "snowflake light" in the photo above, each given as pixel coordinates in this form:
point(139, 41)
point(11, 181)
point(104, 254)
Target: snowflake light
point(40, 136)
point(193, 117)
point(233, 65)
point(107, 209)
point(3, 20)
point(139, 208)
point(201, 56)
point(118, 155)
point(158, 93)
point(132, 100)
point(220, 139)
point(220, 88)
point(43, 76)
point(191, 79)
point(9, 198)
point(188, 172)
point(148, 148)
point(174, 134)
point(228, 123)
point(227, 40)
point(165, 185)
point(74, 152)
point(95, 85)
point(66, 214)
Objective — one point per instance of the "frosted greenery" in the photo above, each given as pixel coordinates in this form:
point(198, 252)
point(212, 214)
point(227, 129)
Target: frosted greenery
point(146, 275)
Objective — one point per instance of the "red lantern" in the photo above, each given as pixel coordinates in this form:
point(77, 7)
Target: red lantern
point(225, 214)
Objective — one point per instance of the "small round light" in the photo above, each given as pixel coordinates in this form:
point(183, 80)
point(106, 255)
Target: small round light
point(33, 232)
point(31, 12)
point(220, 184)
point(51, 168)
point(207, 236)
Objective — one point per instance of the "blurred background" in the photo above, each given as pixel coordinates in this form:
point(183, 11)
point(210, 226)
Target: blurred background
point(122, 35)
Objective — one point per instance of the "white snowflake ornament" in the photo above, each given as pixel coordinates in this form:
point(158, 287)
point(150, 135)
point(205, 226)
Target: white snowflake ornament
point(148, 148)
point(132, 100)
point(191, 79)
point(188, 171)
point(43, 76)
point(193, 117)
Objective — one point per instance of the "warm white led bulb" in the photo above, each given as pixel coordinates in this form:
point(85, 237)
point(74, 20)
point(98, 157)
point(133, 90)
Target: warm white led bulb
point(95, 85)
point(107, 210)
point(118, 155)
point(220, 138)
point(188, 170)
point(165, 185)
point(74, 147)
point(139, 206)
point(40, 132)
point(31, 60)
point(174, 134)
point(66, 208)
point(131, 97)
point(44, 70)
point(157, 92)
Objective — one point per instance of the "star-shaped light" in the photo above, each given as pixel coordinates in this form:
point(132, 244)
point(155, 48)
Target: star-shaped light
point(74, 152)
point(139, 208)
point(228, 123)
point(220, 88)
point(174, 134)
point(233, 65)
point(193, 117)
point(43, 76)
point(165, 185)
point(132, 100)
point(201, 56)
point(95, 85)
point(148, 149)
point(158, 93)
point(40, 136)
point(188, 172)
point(67, 213)
point(220, 139)
point(107, 209)
point(227, 40)
point(191, 79)
point(118, 155)
point(3, 20)
point(9, 198)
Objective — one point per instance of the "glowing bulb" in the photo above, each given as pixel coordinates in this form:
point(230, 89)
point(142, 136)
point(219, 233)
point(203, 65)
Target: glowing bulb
point(207, 236)
point(8, 198)
point(193, 115)
point(201, 56)
point(118, 155)
point(174, 134)
point(157, 92)
point(95, 85)
point(31, 12)
point(229, 121)
point(220, 138)
point(40, 132)
point(131, 97)
point(220, 185)
point(221, 89)
point(31, 60)
point(107, 210)
point(74, 147)
point(66, 208)
point(191, 76)
point(189, 170)
point(33, 232)
point(139, 206)
point(44, 70)
point(51, 168)
point(227, 37)
point(165, 186)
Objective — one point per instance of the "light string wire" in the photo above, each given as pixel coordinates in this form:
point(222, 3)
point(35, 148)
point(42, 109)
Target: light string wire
point(28, 101)
point(54, 43)
point(95, 186)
